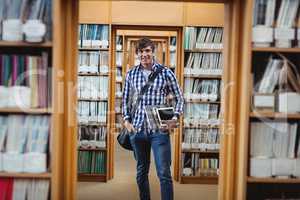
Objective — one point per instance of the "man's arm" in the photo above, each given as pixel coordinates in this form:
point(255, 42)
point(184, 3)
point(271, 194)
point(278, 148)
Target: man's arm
point(126, 98)
point(174, 88)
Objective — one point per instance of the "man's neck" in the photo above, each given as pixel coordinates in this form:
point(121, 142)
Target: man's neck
point(148, 67)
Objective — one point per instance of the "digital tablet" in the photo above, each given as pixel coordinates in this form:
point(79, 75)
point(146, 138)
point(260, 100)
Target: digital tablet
point(164, 114)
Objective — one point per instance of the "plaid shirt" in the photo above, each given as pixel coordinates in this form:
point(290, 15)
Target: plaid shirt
point(164, 83)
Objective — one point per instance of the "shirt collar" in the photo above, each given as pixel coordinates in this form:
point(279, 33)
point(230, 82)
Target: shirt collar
point(154, 66)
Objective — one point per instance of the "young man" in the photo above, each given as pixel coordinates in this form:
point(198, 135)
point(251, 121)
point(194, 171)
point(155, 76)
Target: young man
point(144, 138)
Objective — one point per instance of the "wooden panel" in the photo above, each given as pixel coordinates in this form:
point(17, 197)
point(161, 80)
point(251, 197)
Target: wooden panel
point(204, 14)
point(94, 12)
point(137, 13)
point(229, 100)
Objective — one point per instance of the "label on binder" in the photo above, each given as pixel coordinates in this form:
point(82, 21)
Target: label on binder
point(262, 34)
point(104, 44)
point(119, 47)
point(12, 30)
point(284, 33)
point(34, 30)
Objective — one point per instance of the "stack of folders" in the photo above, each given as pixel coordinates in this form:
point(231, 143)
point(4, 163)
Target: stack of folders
point(206, 90)
point(15, 15)
point(204, 139)
point(90, 137)
point(22, 189)
point(198, 114)
point(24, 143)
point(173, 54)
point(91, 162)
point(284, 31)
point(93, 62)
point(93, 36)
point(270, 77)
point(93, 87)
point(92, 112)
point(275, 149)
point(264, 18)
point(119, 90)
point(204, 64)
point(25, 81)
point(119, 43)
point(194, 165)
point(203, 38)
point(119, 59)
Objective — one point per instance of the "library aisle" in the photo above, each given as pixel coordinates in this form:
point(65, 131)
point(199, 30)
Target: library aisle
point(123, 184)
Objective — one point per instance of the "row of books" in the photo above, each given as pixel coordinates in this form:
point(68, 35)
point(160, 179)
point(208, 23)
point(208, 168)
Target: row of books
point(91, 162)
point(119, 59)
point(206, 90)
point(22, 189)
point(24, 133)
point(197, 113)
point(202, 139)
point(195, 165)
point(25, 81)
point(275, 139)
point(93, 62)
point(274, 20)
point(204, 64)
point(90, 137)
point(203, 37)
point(92, 87)
point(15, 15)
point(24, 143)
point(270, 78)
point(264, 12)
point(92, 112)
point(93, 36)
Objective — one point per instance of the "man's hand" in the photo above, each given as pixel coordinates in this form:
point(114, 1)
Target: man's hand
point(170, 124)
point(129, 126)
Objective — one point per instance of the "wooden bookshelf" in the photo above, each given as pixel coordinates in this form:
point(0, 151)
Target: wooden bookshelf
point(204, 51)
point(107, 124)
point(89, 99)
point(275, 115)
point(61, 55)
point(92, 177)
point(202, 76)
point(200, 151)
point(46, 175)
point(92, 49)
point(276, 49)
point(199, 180)
point(25, 44)
point(92, 149)
point(93, 74)
point(27, 110)
point(273, 180)
point(253, 62)
point(189, 100)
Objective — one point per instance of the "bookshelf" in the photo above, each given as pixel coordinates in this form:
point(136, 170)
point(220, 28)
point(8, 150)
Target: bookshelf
point(46, 176)
point(200, 133)
point(271, 165)
point(93, 102)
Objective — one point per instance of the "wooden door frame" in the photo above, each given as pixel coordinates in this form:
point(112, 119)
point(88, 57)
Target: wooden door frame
point(227, 179)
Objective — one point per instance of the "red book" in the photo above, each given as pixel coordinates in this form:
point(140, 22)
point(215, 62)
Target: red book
point(6, 188)
point(14, 69)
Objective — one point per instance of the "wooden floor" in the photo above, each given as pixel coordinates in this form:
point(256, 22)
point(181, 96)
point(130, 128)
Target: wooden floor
point(123, 186)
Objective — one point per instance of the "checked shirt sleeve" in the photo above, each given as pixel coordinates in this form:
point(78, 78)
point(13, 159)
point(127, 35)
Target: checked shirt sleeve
point(126, 98)
point(175, 90)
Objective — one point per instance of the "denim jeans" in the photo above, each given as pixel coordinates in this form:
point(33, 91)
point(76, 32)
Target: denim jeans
point(142, 142)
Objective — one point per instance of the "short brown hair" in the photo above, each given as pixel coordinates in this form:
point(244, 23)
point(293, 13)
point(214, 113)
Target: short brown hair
point(143, 43)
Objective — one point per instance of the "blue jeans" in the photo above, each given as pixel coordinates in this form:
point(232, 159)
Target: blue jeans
point(160, 143)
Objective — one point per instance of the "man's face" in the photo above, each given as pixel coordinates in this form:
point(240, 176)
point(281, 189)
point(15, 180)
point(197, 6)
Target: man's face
point(146, 56)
